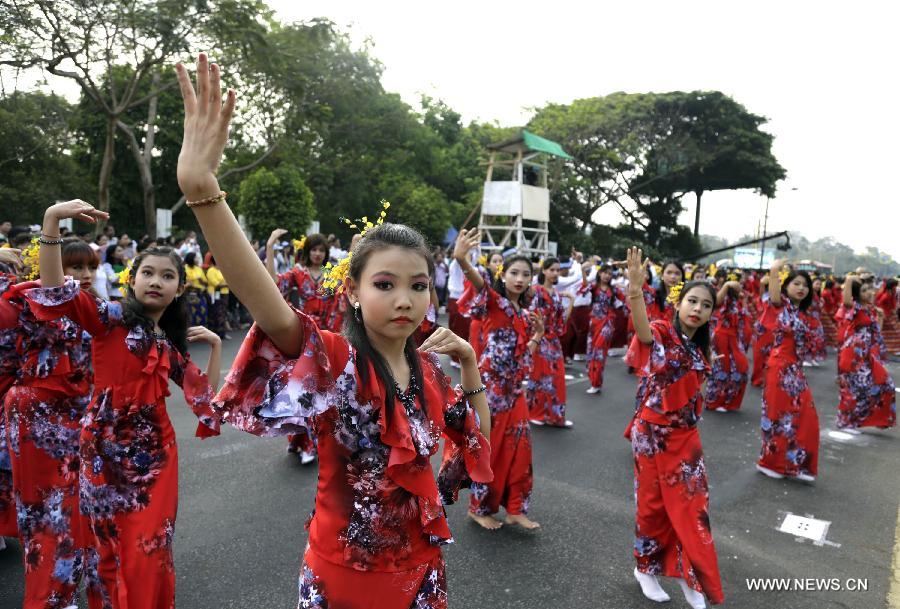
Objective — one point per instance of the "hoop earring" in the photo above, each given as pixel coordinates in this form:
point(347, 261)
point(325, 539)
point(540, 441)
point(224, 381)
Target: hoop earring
point(357, 314)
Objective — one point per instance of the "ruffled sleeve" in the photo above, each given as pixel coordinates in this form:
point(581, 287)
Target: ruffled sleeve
point(650, 358)
point(69, 300)
point(478, 302)
point(268, 394)
point(285, 282)
point(771, 311)
point(467, 453)
point(197, 393)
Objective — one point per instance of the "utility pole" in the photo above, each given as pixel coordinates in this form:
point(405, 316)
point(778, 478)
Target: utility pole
point(762, 245)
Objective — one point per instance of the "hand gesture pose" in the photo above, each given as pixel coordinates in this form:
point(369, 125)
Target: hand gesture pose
point(76, 209)
point(206, 121)
point(277, 234)
point(635, 265)
point(12, 257)
point(445, 342)
point(465, 241)
point(200, 334)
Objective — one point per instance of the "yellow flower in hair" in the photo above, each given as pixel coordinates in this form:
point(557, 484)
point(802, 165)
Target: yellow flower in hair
point(125, 275)
point(675, 293)
point(783, 275)
point(657, 270)
point(334, 277)
point(712, 270)
point(499, 272)
point(299, 243)
point(30, 258)
point(733, 277)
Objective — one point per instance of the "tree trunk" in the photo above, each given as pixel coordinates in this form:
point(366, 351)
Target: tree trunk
point(143, 157)
point(109, 156)
point(699, 194)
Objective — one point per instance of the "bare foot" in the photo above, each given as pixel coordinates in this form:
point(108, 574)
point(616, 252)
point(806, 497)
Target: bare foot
point(487, 522)
point(522, 520)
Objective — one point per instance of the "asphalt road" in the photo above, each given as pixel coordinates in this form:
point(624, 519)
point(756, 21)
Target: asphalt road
point(243, 502)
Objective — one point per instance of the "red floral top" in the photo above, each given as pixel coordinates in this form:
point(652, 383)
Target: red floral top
point(326, 310)
point(125, 428)
point(505, 360)
point(378, 504)
point(790, 330)
point(9, 316)
point(549, 305)
point(672, 369)
point(50, 354)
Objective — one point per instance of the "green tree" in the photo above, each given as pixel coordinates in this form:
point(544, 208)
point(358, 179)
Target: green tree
point(278, 198)
point(37, 168)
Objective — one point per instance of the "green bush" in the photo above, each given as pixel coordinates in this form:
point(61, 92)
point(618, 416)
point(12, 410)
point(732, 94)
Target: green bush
point(278, 198)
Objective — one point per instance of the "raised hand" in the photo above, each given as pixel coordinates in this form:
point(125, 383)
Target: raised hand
point(206, 123)
point(76, 209)
point(537, 323)
point(277, 234)
point(465, 241)
point(635, 265)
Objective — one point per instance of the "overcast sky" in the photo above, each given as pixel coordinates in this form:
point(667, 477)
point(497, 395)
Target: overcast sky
point(824, 73)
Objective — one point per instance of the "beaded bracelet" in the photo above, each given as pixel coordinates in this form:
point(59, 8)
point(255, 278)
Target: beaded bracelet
point(45, 241)
point(469, 394)
point(208, 200)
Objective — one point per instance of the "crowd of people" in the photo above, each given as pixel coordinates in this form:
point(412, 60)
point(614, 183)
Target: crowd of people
point(342, 360)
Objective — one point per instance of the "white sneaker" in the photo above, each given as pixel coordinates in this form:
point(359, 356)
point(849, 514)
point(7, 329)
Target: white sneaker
point(850, 430)
point(537, 422)
point(807, 364)
point(695, 599)
point(721, 409)
point(805, 477)
point(579, 357)
point(593, 390)
point(568, 423)
point(769, 472)
point(650, 587)
point(307, 457)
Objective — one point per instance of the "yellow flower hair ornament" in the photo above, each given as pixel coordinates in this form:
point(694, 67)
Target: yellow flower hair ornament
point(366, 223)
point(499, 272)
point(782, 275)
point(483, 260)
point(733, 277)
point(675, 293)
point(334, 277)
point(30, 258)
point(125, 275)
point(299, 243)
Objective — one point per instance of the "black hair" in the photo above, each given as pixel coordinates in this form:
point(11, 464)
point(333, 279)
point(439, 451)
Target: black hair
point(174, 320)
point(108, 257)
point(662, 292)
point(75, 251)
point(382, 237)
point(190, 259)
point(807, 300)
point(828, 284)
point(856, 286)
point(548, 262)
point(604, 268)
point(313, 241)
point(701, 335)
point(890, 284)
point(500, 286)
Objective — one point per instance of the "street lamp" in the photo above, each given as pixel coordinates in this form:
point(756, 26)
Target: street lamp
point(762, 245)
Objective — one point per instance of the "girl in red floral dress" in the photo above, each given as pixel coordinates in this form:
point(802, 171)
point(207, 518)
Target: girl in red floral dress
point(816, 350)
point(545, 392)
point(128, 454)
point(511, 336)
point(887, 301)
point(830, 306)
point(606, 300)
point(52, 386)
point(303, 282)
point(9, 364)
point(476, 337)
point(868, 396)
point(762, 337)
point(378, 405)
point(789, 423)
point(672, 528)
point(731, 333)
point(656, 301)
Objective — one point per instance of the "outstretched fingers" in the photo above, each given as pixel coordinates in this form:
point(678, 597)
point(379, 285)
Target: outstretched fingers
point(215, 91)
point(202, 84)
point(187, 89)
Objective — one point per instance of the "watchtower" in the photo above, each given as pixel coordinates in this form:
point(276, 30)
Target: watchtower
point(516, 212)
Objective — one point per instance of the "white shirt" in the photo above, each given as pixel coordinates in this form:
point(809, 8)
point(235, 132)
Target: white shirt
point(585, 299)
point(455, 281)
point(100, 282)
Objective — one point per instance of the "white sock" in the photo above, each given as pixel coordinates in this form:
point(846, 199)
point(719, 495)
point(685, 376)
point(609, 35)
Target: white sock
point(695, 599)
point(650, 587)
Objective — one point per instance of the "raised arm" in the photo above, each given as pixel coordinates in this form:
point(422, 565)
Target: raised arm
point(199, 334)
point(848, 290)
point(465, 241)
point(270, 251)
point(636, 277)
point(50, 257)
point(723, 291)
point(775, 282)
point(206, 123)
